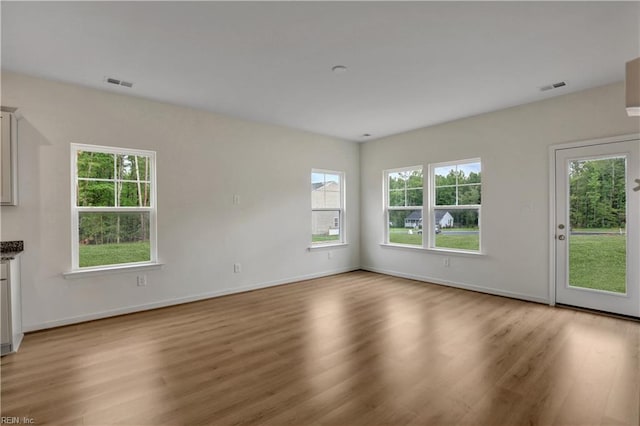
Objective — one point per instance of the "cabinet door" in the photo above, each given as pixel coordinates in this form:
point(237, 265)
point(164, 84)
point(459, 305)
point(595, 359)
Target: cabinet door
point(8, 160)
point(5, 326)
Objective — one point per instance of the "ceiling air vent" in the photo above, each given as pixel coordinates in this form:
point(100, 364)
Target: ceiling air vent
point(553, 86)
point(118, 82)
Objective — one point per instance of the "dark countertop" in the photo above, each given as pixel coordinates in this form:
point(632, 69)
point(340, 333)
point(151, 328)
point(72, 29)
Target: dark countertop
point(10, 255)
point(10, 249)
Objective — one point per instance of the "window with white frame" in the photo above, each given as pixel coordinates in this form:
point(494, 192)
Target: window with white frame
point(456, 199)
point(327, 207)
point(113, 206)
point(403, 205)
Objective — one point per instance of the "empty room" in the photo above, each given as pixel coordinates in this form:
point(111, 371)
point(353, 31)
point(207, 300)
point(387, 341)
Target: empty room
point(320, 213)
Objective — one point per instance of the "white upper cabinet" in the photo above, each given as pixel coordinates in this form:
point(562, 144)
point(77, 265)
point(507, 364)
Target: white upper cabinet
point(9, 159)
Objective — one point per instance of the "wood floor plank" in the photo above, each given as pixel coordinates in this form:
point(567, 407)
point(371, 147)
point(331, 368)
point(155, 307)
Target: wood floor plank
point(352, 349)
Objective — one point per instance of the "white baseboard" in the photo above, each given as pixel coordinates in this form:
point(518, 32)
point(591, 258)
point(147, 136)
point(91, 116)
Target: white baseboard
point(218, 293)
point(464, 286)
point(17, 341)
point(179, 301)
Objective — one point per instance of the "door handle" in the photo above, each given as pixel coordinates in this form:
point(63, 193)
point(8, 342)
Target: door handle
point(561, 237)
point(637, 188)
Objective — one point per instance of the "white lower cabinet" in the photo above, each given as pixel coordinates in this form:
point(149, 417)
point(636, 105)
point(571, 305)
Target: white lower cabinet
point(10, 306)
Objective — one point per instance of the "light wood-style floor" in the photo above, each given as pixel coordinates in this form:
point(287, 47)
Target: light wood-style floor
point(352, 349)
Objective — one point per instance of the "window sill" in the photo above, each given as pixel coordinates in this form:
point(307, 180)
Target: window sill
point(402, 246)
point(105, 270)
point(435, 250)
point(327, 246)
point(456, 252)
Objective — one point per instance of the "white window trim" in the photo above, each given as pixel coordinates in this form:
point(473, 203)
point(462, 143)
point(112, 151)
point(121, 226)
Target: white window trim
point(442, 251)
point(387, 208)
point(320, 246)
point(106, 270)
point(343, 212)
point(430, 241)
point(76, 270)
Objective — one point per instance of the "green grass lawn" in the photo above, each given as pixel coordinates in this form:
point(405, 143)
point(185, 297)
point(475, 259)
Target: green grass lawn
point(319, 238)
point(113, 254)
point(402, 236)
point(607, 230)
point(462, 242)
point(598, 262)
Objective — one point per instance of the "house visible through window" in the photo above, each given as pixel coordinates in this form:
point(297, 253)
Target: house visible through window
point(456, 204)
point(113, 206)
point(327, 207)
point(403, 203)
point(453, 206)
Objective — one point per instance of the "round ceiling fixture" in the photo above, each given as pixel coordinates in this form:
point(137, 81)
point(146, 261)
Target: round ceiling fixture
point(339, 69)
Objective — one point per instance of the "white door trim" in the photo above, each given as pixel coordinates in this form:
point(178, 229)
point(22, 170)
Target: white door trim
point(552, 198)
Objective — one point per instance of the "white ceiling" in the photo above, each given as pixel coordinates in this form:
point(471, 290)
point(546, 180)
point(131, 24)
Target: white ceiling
point(410, 64)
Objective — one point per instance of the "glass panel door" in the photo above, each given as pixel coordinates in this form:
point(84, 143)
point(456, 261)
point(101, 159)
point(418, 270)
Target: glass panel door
point(596, 227)
point(597, 231)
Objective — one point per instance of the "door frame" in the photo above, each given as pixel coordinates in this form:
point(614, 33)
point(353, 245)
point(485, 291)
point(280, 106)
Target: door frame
point(552, 198)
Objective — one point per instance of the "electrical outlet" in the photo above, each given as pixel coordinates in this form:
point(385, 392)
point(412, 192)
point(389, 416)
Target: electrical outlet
point(142, 280)
point(446, 262)
point(237, 268)
point(236, 199)
point(329, 255)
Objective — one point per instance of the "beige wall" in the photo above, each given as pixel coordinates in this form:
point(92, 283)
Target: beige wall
point(203, 159)
point(514, 147)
